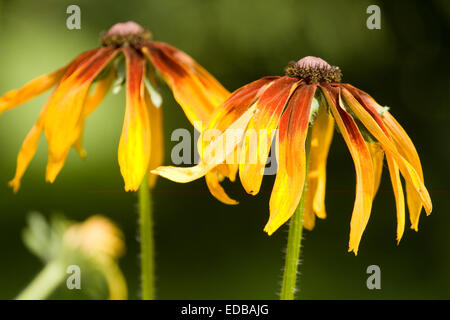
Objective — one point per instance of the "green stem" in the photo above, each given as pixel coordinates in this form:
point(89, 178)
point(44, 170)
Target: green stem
point(45, 282)
point(294, 240)
point(147, 245)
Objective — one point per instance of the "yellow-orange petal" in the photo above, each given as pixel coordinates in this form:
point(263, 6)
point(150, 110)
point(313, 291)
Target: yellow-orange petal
point(261, 130)
point(213, 179)
point(375, 127)
point(214, 154)
point(157, 142)
point(135, 141)
point(398, 193)
point(377, 154)
point(64, 111)
point(363, 167)
point(198, 98)
point(93, 100)
point(290, 178)
point(321, 136)
point(38, 85)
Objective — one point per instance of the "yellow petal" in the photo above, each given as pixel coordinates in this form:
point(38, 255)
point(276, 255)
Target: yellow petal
point(398, 193)
point(377, 154)
point(363, 167)
point(134, 145)
point(212, 181)
point(157, 142)
point(290, 179)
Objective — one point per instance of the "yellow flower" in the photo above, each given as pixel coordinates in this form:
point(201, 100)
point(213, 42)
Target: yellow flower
point(286, 103)
point(81, 85)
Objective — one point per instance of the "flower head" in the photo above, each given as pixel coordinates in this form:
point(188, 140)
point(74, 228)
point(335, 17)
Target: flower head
point(81, 85)
point(307, 102)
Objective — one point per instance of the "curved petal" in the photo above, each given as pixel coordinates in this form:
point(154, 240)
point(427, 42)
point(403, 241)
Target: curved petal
point(197, 92)
point(372, 123)
point(214, 154)
point(377, 154)
point(260, 132)
point(92, 102)
point(398, 193)
point(213, 178)
point(290, 178)
point(64, 111)
point(363, 167)
point(38, 85)
point(321, 136)
point(135, 141)
point(157, 142)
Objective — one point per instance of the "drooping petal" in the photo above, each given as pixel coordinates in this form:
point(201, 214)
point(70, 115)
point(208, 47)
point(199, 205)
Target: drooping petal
point(135, 141)
point(214, 154)
point(38, 85)
point(290, 178)
point(375, 126)
point(377, 154)
point(213, 178)
point(64, 111)
point(93, 100)
point(363, 166)
point(321, 136)
point(157, 142)
point(261, 130)
point(407, 149)
point(197, 92)
point(31, 141)
point(398, 193)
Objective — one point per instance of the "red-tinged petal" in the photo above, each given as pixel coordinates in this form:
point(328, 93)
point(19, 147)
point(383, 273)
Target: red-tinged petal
point(379, 132)
point(321, 136)
point(215, 90)
point(135, 141)
point(93, 100)
point(190, 92)
point(377, 154)
point(260, 132)
point(213, 178)
point(64, 111)
point(157, 142)
point(290, 178)
point(235, 106)
point(38, 85)
point(214, 154)
point(398, 193)
point(363, 167)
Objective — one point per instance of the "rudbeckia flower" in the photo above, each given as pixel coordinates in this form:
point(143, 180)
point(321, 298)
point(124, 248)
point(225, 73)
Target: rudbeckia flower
point(307, 102)
point(81, 85)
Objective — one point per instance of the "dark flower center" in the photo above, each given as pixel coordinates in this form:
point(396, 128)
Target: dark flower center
point(126, 33)
point(314, 70)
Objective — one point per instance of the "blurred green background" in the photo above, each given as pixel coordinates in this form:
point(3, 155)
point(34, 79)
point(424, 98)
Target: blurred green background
point(204, 249)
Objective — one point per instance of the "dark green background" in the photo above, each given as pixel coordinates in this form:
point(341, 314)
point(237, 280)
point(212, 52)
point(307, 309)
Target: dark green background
point(205, 249)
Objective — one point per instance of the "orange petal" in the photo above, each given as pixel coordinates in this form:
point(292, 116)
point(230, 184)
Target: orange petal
point(290, 178)
point(212, 180)
point(375, 126)
point(260, 132)
point(37, 86)
point(157, 142)
point(399, 198)
point(197, 92)
point(321, 136)
point(377, 154)
point(135, 141)
point(64, 111)
point(214, 154)
point(363, 167)
point(92, 102)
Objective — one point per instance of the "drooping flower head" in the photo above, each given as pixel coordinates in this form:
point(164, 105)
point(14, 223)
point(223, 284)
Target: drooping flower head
point(307, 102)
point(81, 85)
